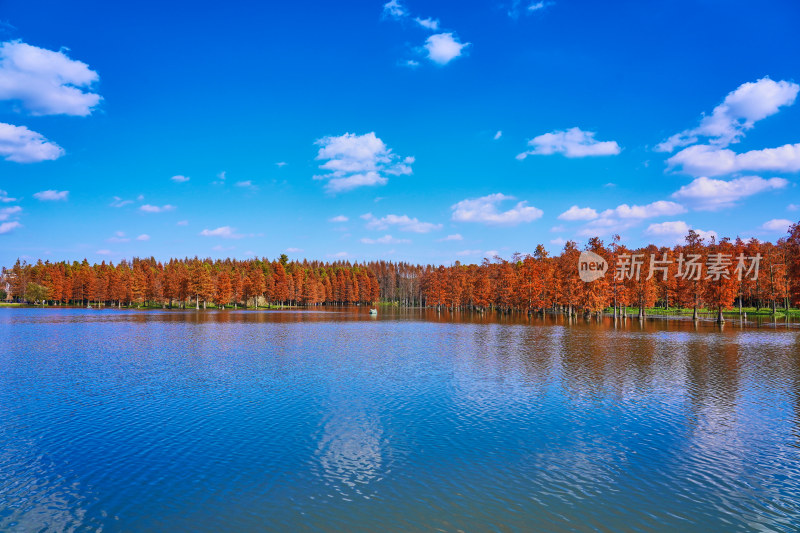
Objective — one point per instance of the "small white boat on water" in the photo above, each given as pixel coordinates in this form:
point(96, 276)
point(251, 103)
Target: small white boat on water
point(373, 311)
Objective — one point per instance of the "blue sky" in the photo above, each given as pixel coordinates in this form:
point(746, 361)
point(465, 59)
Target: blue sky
point(419, 131)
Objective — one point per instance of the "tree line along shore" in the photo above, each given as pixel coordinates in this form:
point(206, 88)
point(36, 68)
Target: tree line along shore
point(695, 276)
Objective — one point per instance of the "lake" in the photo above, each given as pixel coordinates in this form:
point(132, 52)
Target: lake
point(412, 420)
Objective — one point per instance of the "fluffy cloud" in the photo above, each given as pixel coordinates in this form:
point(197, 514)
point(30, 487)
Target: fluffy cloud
point(338, 218)
point(401, 222)
point(5, 198)
point(293, 250)
point(180, 179)
point(143, 237)
point(738, 113)
point(21, 145)
point(485, 210)
point(428, 23)
point(626, 216)
point(393, 9)
point(655, 209)
point(778, 225)
point(46, 82)
point(225, 232)
point(147, 208)
point(454, 237)
point(677, 227)
point(8, 212)
point(498, 135)
point(51, 196)
point(573, 142)
point(710, 194)
point(6, 227)
point(578, 213)
point(674, 232)
point(358, 160)
point(386, 239)
point(707, 160)
point(443, 48)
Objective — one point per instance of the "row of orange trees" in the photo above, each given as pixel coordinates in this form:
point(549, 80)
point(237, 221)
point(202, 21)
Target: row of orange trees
point(695, 274)
point(188, 282)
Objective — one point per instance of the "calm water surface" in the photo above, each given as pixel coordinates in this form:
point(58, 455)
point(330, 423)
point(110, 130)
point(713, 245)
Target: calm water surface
point(294, 421)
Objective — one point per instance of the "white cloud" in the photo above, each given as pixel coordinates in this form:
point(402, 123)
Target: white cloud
point(119, 236)
point(675, 232)
point(119, 202)
point(180, 179)
point(51, 196)
point(8, 212)
point(358, 160)
point(578, 213)
point(281, 164)
point(534, 7)
point(401, 222)
point(338, 218)
point(428, 23)
point(485, 210)
point(339, 255)
point(573, 142)
point(246, 184)
point(558, 241)
point(498, 134)
point(792, 207)
point(677, 227)
point(607, 225)
point(103, 252)
point(624, 216)
point(225, 232)
point(710, 194)
point(469, 252)
point(411, 63)
point(46, 82)
point(386, 239)
point(4, 198)
point(182, 223)
point(454, 237)
point(778, 225)
point(707, 160)
point(6, 227)
point(147, 208)
point(738, 113)
point(394, 9)
point(143, 237)
point(443, 48)
point(655, 209)
point(21, 145)
point(293, 250)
